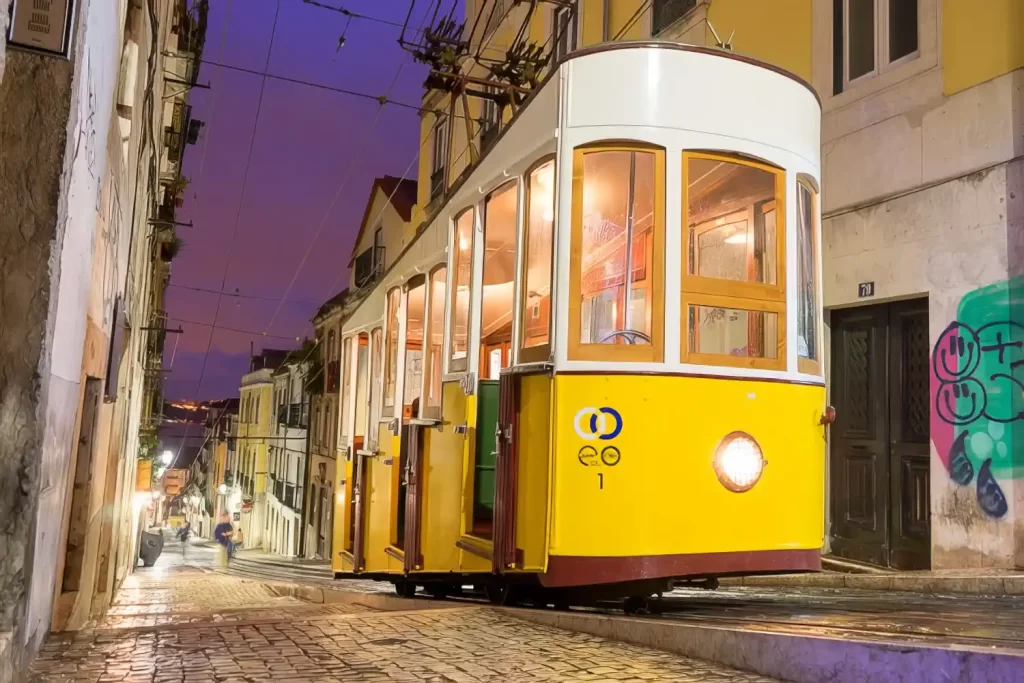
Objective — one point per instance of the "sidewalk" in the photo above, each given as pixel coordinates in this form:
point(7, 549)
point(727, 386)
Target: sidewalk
point(939, 582)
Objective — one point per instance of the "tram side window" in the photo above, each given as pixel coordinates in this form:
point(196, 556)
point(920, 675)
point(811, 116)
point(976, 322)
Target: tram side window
point(540, 224)
point(346, 385)
point(498, 276)
point(807, 301)
point(618, 199)
point(461, 291)
point(362, 389)
point(733, 287)
point(391, 356)
point(435, 333)
point(376, 338)
point(415, 308)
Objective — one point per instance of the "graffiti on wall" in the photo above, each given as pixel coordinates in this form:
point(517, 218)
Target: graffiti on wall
point(978, 390)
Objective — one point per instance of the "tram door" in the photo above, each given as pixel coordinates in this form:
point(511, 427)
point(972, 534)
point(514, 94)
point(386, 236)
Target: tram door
point(409, 501)
point(879, 461)
point(499, 268)
point(359, 462)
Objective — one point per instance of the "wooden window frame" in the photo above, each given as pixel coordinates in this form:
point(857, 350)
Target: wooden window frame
point(460, 365)
point(388, 411)
point(721, 293)
point(811, 366)
point(617, 353)
point(514, 184)
point(542, 352)
point(426, 409)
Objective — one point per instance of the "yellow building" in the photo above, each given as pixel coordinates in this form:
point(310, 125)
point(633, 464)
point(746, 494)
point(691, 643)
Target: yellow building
point(922, 216)
point(248, 495)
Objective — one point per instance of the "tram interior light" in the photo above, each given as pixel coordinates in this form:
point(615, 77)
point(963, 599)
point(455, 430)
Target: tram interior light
point(739, 462)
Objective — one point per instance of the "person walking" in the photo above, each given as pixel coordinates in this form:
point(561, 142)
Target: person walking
point(222, 534)
point(183, 534)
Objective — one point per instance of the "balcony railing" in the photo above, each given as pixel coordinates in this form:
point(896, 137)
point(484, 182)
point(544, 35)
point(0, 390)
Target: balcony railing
point(369, 266)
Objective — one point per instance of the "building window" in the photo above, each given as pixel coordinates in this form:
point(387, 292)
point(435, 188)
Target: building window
point(616, 296)
point(415, 323)
point(536, 281)
point(875, 35)
point(435, 333)
point(667, 12)
point(807, 259)
point(565, 30)
point(461, 291)
point(439, 158)
point(733, 285)
point(490, 117)
point(391, 359)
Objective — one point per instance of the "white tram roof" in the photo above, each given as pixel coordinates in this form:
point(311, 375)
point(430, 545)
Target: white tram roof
point(669, 94)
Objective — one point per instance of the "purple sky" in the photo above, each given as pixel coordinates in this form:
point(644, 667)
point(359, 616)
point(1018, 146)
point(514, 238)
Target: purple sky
point(307, 141)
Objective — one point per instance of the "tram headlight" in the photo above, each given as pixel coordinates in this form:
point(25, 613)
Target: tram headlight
point(738, 462)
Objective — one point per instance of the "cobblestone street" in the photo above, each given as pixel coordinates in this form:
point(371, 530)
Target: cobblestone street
point(182, 622)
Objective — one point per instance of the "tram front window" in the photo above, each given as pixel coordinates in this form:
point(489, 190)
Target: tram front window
point(618, 222)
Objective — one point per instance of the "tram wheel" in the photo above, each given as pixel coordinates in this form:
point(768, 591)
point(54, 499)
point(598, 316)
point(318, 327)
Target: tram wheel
point(438, 592)
point(636, 605)
point(502, 593)
point(405, 589)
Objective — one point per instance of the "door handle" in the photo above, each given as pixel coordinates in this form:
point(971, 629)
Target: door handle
point(461, 429)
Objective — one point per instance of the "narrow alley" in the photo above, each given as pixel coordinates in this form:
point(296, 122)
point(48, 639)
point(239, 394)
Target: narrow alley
point(184, 620)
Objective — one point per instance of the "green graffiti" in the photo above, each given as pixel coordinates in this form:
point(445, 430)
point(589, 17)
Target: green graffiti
point(992, 378)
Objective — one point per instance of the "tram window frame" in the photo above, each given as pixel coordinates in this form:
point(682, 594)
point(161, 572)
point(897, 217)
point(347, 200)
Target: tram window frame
point(754, 297)
point(345, 386)
point(434, 373)
point(504, 345)
point(376, 387)
point(538, 353)
point(632, 353)
point(390, 364)
point(810, 365)
point(460, 364)
point(420, 280)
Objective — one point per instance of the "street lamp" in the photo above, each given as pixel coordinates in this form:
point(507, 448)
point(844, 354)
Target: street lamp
point(166, 457)
point(223, 488)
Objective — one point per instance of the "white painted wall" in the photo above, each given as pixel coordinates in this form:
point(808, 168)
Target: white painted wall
point(93, 92)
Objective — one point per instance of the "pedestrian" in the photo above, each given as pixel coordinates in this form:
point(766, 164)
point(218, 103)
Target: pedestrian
point(222, 534)
point(183, 534)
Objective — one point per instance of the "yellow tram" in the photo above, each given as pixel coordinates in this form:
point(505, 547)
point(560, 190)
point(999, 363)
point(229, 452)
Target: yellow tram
point(598, 366)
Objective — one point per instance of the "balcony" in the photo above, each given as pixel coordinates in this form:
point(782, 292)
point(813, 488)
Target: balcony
point(369, 266)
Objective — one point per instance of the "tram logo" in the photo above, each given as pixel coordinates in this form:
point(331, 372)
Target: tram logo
point(594, 423)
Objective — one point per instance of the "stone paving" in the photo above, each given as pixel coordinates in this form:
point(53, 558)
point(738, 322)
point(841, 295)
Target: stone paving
point(178, 625)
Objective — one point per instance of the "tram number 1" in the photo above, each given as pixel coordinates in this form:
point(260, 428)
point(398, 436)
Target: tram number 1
point(600, 480)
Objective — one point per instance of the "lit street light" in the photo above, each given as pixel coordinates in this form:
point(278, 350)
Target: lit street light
point(166, 457)
point(223, 488)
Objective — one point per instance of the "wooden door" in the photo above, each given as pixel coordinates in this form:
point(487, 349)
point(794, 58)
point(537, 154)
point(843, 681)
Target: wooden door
point(879, 443)
point(909, 450)
point(507, 474)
